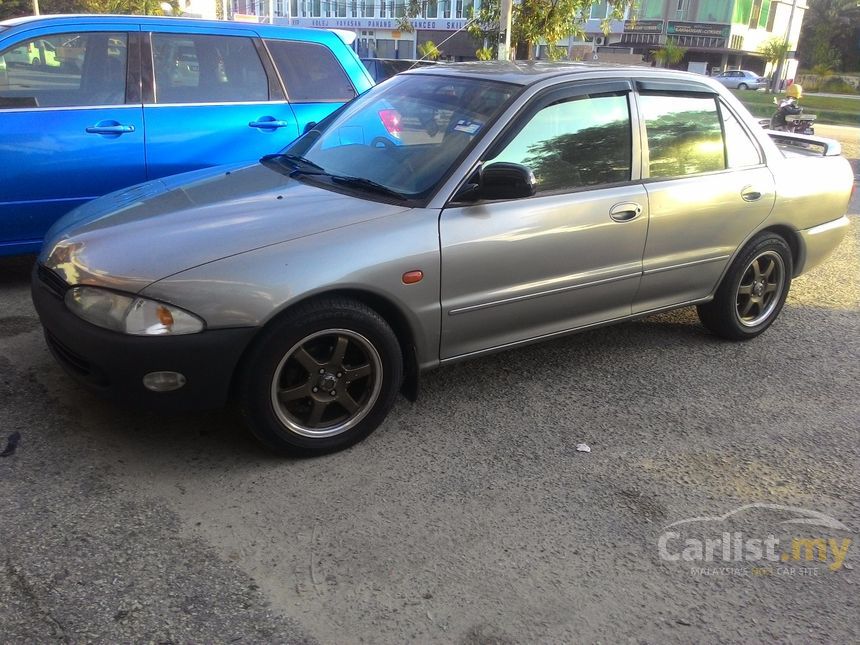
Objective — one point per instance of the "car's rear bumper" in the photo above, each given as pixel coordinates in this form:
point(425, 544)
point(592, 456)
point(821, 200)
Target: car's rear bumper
point(819, 242)
point(114, 364)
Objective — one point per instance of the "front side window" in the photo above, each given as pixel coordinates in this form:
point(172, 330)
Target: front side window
point(65, 70)
point(684, 134)
point(310, 72)
point(575, 143)
point(193, 68)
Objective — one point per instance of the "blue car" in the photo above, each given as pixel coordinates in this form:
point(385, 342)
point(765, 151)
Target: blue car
point(99, 103)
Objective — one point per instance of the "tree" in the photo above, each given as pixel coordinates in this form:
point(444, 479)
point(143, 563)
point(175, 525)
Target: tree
point(429, 51)
point(831, 30)
point(14, 8)
point(536, 21)
point(669, 54)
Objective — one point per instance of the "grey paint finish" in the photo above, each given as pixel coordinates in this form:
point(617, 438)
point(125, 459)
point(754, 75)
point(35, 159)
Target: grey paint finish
point(226, 248)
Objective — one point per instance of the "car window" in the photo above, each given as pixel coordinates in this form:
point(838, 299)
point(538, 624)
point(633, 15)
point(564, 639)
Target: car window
point(65, 70)
point(406, 134)
point(193, 68)
point(575, 143)
point(684, 134)
point(310, 72)
point(740, 149)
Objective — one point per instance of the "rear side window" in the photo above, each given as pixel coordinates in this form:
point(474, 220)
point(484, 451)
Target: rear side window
point(310, 72)
point(64, 70)
point(575, 143)
point(741, 151)
point(684, 134)
point(193, 68)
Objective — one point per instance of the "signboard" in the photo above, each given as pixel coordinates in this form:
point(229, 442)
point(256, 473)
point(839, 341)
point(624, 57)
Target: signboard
point(643, 26)
point(710, 30)
point(441, 24)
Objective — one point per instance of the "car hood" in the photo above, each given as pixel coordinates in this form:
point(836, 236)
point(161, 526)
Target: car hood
point(132, 238)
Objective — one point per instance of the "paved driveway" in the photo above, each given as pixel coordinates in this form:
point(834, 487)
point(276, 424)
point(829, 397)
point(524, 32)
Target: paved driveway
point(469, 517)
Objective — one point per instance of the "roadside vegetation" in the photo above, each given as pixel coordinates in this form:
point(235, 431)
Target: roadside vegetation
point(836, 111)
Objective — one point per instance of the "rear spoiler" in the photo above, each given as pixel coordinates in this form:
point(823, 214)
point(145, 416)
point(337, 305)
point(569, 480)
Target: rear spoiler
point(831, 147)
point(348, 37)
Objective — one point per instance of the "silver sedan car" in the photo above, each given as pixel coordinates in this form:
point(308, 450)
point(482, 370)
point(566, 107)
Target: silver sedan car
point(447, 213)
point(741, 79)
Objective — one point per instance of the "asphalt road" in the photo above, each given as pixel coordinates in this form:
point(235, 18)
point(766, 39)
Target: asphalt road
point(468, 517)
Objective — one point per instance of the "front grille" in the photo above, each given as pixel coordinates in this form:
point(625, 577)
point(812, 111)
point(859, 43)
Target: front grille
point(67, 356)
point(55, 283)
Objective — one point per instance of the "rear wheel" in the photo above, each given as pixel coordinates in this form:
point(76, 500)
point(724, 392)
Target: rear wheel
point(753, 290)
point(320, 379)
point(743, 86)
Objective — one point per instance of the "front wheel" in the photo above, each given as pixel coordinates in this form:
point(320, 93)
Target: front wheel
point(753, 290)
point(321, 378)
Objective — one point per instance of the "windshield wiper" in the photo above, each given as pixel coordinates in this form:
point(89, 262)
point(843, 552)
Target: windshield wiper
point(296, 162)
point(367, 184)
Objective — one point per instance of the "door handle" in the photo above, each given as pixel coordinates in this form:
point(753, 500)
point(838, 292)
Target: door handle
point(110, 129)
point(750, 194)
point(268, 123)
point(625, 212)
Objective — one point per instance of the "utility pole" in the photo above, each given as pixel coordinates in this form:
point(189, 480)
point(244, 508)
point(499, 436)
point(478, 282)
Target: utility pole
point(35, 7)
point(505, 29)
point(777, 79)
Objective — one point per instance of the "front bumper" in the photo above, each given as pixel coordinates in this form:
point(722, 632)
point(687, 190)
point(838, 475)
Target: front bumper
point(114, 364)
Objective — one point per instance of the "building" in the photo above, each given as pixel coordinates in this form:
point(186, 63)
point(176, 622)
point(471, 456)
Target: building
point(376, 23)
point(717, 34)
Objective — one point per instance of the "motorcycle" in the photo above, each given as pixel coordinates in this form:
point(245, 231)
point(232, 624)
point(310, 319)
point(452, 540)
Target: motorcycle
point(795, 123)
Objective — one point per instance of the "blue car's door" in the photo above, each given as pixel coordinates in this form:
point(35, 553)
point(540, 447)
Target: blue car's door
point(69, 129)
point(215, 100)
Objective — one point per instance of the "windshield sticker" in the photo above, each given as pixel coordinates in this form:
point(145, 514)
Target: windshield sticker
point(467, 126)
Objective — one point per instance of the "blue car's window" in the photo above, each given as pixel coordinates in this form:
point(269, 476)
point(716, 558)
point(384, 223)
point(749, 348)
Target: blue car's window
point(64, 70)
point(310, 72)
point(406, 134)
point(194, 68)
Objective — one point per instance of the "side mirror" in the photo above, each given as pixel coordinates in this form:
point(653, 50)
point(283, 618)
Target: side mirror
point(500, 180)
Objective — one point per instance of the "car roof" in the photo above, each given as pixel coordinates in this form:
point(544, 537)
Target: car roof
point(532, 72)
point(265, 30)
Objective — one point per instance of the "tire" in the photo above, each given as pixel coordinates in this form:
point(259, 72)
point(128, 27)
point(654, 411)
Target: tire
point(284, 380)
point(753, 290)
point(36, 62)
point(743, 86)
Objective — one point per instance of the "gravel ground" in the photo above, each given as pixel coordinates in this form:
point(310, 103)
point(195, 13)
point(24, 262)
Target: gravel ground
point(468, 517)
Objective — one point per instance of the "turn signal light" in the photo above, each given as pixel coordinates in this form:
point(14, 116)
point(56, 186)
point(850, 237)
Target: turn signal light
point(411, 277)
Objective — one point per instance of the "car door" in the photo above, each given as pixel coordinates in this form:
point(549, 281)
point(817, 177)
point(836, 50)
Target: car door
point(214, 100)
point(315, 81)
point(71, 127)
point(568, 257)
point(708, 189)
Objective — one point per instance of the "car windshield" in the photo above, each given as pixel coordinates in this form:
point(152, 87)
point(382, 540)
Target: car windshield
point(398, 140)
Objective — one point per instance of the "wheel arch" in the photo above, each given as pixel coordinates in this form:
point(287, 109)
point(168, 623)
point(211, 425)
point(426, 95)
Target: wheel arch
point(383, 306)
point(792, 238)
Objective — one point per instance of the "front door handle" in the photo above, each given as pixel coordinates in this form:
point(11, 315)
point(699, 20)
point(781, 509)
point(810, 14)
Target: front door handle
point(110, 127)
point(268, 123)
point(625, 211)
point(750, 194)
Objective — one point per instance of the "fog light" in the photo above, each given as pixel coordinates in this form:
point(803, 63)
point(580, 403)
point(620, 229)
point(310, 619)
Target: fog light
point(163, 381)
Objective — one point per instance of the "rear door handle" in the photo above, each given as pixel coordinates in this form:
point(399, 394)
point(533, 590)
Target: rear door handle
point(110, 128)
point(268, 123)
point(625, 211)
point(750, 194)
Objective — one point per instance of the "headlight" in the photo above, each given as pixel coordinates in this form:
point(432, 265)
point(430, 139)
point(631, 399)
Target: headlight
point(130, 314)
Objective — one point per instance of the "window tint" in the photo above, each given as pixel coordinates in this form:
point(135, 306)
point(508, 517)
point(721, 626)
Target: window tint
point(191, 68)
point(310, 72)
point(64, 70)
point(740, 149)
point(684, 134)
point(575, 143)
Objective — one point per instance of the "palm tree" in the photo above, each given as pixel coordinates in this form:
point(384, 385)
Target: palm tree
point(669, 54)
